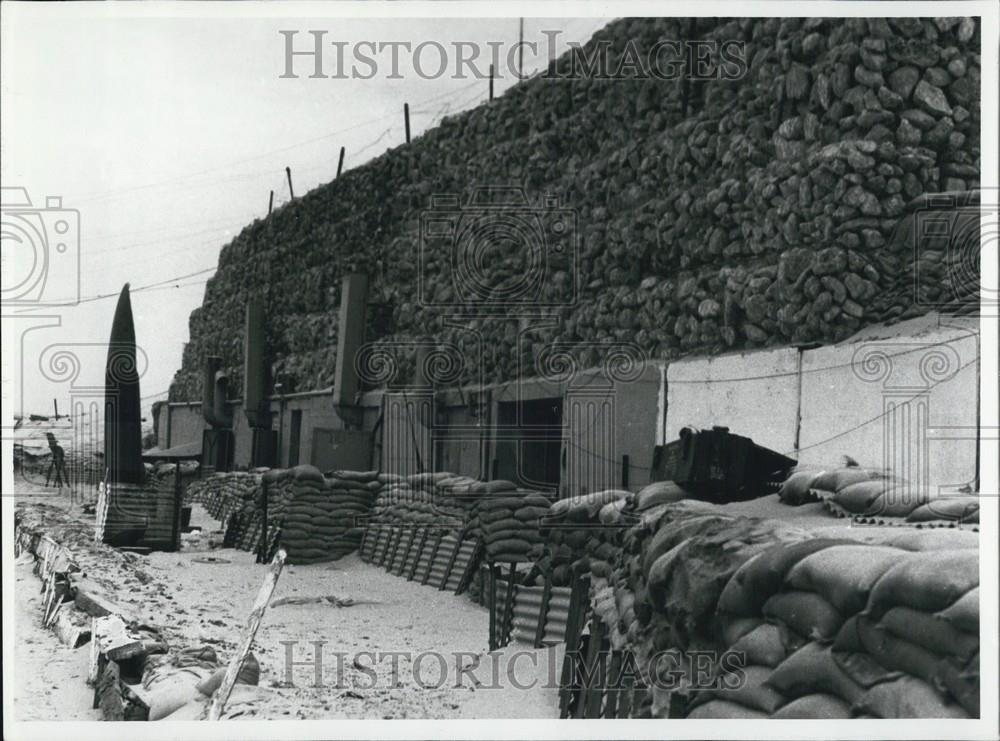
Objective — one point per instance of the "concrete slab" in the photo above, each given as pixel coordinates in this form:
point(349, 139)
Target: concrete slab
point(753, 394)
point(904, 397)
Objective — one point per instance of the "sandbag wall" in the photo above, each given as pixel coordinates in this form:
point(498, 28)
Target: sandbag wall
point(319, 518)
point(799, 626)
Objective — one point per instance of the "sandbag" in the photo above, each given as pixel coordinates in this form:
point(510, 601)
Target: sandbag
point(964, 612)
point(796, 488)
point(907, 697)
point(898, 501)
point(732, 628)
point(752, 692)
point(839, 478)
point(812, 670)
point(822, 706)
point(929, 581)
point(492, 487)
point(308, 473)
point(938, 539)
point(894, 652)
point(530, 514)
point(715, 709)
point(674, 533)
point(611, 513)
point(959, 509)
point(762, 576)
point(850, 654)
point(931, 633)
point(962, 683)
point(844, 574)
point(807, 613)
point(857, 498)
point(762, 646)
point(659, 492)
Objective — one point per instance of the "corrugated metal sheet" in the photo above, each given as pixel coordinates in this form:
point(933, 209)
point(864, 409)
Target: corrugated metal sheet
point(557, 615)
point(461, 562)
point(150, 509)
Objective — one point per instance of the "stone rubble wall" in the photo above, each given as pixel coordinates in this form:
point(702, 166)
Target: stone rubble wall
point(709, 216)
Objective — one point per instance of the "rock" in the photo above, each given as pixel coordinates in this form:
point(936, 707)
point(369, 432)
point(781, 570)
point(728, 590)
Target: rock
point(903, 80)
point(709, 309)
point(907, 134)
point(868, 78)
point(937, 77)
point(966, 29)
point(829, 261)
point(931, 98)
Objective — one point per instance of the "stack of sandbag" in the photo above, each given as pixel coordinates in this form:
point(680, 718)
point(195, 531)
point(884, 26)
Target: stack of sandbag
point(834, 628)
point(582, 534)
point(508, 519)
point(324, 519)
point(412, 502)
point(222, 494)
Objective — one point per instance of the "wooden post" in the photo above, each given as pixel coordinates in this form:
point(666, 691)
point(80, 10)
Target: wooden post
point(288, 174)
point(270, 203)
point(175, 536)
point(625, 471)
point(491, 82)
point(221, 695)
point(406, 120)
point(340, 164)
point(55, 405)
point(508, 606)
point(493, 606)
point(264, 543)
point(543, 612)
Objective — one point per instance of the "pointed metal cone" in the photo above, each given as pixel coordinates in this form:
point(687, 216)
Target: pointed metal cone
point(122, 411)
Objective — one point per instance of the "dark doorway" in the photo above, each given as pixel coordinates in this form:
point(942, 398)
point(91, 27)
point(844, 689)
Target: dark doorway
point(529, 442)
point(295, 438)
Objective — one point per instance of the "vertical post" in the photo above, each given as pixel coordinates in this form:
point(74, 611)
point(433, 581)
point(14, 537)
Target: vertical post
point(288, 174)
point(55, 405)
point(265, 541)
point(625, 471)
point(270, 203)
point(493, 606)
point(178, 501)
point(340, 163)
point(491, 82)
point(520, 49)
point(406, 120)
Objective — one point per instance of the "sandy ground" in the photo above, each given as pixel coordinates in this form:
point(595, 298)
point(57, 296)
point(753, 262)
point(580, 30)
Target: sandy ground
point(49, 678)
point(402, 650)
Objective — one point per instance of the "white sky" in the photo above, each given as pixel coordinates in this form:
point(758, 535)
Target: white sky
point(167, 135)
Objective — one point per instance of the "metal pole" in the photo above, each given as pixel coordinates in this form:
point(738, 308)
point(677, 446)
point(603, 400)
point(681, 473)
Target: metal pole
point(288, 173)
point(491, 82)
point(270, 203)
point(406, 119)
point(340, 164)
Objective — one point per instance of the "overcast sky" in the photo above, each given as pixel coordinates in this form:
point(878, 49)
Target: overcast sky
point(167, 134)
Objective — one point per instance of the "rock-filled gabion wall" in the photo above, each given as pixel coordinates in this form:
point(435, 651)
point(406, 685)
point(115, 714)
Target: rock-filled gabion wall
point(724, 214)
